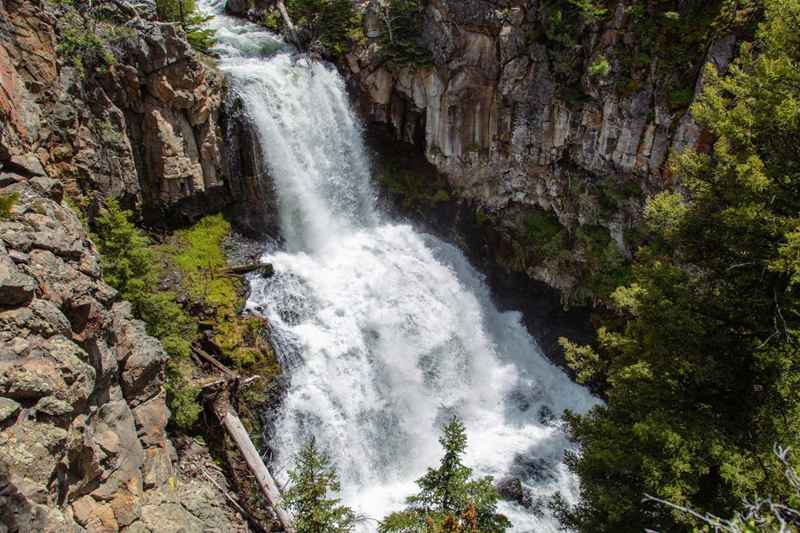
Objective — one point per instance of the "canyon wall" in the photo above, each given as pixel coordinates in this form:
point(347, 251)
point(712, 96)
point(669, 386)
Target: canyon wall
point(111, 104)
point(531, 117)
point(133, 113)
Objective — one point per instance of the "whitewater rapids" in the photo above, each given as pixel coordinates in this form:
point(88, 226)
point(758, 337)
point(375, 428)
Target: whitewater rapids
point(385, 331)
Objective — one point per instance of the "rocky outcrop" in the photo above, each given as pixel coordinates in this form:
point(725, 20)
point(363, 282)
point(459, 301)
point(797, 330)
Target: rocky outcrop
point(83, 413)
point(96, 105)
point(520, 122)
point(134, 112)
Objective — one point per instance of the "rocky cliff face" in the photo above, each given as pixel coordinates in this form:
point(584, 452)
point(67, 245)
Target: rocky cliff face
point(107, 105)
point(130, 111)
point(83, 414)
point(531, 106)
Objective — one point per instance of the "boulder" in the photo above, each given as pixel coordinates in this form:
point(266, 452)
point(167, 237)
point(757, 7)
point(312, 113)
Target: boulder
point(8, 408)
point(511, 489)
point(237, 7)
point(141, 358)
point(16, 288)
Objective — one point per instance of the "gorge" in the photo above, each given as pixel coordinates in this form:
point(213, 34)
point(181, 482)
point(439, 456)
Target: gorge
point(384, 331)
point(570, 226)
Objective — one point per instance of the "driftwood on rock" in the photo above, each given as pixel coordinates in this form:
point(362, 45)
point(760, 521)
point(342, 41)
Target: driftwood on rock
point(265, 269)
point(233, 426)
point(291, 33)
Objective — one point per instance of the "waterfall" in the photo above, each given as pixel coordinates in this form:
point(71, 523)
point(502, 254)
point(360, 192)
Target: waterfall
point(386, 331)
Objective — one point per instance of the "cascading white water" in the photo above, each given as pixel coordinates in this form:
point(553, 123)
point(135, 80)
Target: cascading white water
point(387, 332)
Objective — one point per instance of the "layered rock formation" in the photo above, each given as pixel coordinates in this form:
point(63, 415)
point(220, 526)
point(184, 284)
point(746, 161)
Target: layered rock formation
point(519, 122)
point(132, 112)
point(93, 106)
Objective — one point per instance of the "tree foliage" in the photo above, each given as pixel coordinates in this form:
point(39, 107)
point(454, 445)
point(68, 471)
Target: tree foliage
point(191, 20)
point(401, 43)
point(310, 497)
point(703, 375)
point(449, 499)
point(335, 24)
point(125, 257)
point(127, 264)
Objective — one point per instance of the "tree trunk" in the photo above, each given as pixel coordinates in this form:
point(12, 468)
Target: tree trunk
point(288, 21)
point(268, 486)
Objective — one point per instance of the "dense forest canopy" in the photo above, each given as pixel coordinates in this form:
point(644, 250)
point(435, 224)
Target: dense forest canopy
point(701, 365)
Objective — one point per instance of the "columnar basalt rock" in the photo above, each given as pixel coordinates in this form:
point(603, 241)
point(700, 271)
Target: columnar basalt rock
point(492, 114)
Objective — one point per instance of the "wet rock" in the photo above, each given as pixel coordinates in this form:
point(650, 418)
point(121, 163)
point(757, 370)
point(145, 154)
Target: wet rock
point(237, 7)
point(511, 489)
point(532, 468)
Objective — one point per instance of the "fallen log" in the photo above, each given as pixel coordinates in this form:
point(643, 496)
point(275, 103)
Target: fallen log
point(292, 34)
point(238, 433)
point(207, 358)
point(265, 269)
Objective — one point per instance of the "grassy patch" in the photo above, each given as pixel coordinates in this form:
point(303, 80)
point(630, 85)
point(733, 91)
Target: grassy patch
point(197, 255)
point(180, 288)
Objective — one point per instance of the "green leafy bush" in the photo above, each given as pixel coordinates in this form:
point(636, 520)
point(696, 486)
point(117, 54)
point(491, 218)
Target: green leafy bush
point(7, 202)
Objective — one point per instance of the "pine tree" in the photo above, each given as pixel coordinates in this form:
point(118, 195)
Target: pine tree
point(449, 500)
point(126, 259)
point(702, 362)
point(310, 499)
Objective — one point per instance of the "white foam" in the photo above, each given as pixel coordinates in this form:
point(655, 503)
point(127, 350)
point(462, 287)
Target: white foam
point(388, 331)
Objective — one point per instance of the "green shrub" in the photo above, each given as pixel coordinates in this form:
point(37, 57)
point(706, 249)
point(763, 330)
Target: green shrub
point(542, 227)
point(182, 395)
point(7, 202)
point(125, 257)
point(680, 98)
point(400, 42)
point(601, 67)
point(82, 47)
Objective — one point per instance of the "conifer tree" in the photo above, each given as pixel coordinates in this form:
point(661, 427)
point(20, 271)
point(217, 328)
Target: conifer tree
point(311, 496)
point(701, 365)
point(126, 259)
point(449, 500)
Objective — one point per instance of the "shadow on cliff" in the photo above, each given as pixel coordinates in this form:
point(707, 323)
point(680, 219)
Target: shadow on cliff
point(16, 512)
point(434, 208)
